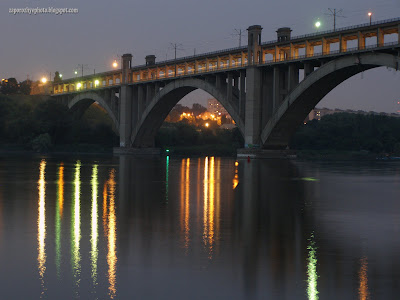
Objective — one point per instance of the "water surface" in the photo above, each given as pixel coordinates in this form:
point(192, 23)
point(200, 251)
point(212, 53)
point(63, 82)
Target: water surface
point(198, 228)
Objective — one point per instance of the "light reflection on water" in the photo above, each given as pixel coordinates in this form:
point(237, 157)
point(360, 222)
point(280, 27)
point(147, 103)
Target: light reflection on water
point(164, 229)
point(42, 225)
point(112, 237)
point(76, 228)
point(94, 225)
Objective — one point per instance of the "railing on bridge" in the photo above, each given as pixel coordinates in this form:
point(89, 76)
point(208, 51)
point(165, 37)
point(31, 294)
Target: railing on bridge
point(165, 70)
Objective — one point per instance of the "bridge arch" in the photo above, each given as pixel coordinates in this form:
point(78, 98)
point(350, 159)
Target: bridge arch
point(297, 105)
point(81, 102)
point(162, 103)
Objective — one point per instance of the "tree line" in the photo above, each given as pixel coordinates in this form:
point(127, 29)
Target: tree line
point(49, 125)
point(350, 132)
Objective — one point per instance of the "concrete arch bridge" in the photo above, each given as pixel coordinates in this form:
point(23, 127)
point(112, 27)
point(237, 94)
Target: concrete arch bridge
point(258, 84)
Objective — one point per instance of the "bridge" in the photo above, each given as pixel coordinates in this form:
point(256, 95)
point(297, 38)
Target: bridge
point(267, 87)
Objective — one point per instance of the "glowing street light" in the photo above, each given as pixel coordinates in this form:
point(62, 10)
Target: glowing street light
point(60, 75)
point(207, 124)
point(44, 80)
point(115, 64)
point(370, 18)
point(318, 24)
point(79, 85)
point(96, 83)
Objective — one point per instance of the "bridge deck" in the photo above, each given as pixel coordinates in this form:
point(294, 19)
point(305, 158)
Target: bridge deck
point(301, 48)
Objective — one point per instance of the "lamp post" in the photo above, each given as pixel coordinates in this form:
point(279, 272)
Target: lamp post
point(370, 18)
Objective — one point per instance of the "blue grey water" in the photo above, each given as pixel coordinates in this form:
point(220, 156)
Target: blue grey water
point(198, 228)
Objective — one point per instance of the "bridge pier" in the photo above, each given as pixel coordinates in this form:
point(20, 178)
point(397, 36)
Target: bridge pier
point(125, 127)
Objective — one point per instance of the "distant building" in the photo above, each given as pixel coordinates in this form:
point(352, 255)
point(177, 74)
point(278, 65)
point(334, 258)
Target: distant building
point(318, 113)
point(214, 107)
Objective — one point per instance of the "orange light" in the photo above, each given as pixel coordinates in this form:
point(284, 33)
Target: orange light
point(369, 14)
point(207, 124)
point(115, 64)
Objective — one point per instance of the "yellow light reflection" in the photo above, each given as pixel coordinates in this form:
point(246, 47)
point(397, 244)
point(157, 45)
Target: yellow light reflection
point(112, 237)
point(210, 207)
point(105, 195)
point(42, 224)
point(61, 188)
point(205, 205)
point(76, 226)
point(363, 276)
point(187, 208)
point(94, 232)
point(59, 211)
point(312, 275)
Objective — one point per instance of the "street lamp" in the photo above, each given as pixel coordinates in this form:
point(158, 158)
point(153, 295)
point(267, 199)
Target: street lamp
point(44, 80)
point(370, 18)
point(115, 64)
point(317, 25)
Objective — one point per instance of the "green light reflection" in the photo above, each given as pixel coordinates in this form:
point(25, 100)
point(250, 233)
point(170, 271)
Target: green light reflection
point(166, 179)
point(312, 275)
point(59, 206)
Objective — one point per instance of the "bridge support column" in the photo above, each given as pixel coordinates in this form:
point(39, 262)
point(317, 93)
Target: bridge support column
point(293, 79)
point(267, 96)
point(253, 108)
point(308, 68)
point(125, 116)
point(276, 87)
point(229, 88)
point(242, 94)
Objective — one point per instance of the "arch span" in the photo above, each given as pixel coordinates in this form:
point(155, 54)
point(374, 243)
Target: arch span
point(298, 104)
point(162, 103)
point(82, 101)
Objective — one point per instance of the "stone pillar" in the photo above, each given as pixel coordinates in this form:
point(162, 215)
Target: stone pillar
point(126, 67)
point(254, 44)
point(125, 116)
point(276, 89)
point(380, 39)
point(398, 33)
point(253, 105)
point(342, 44)
point(309, 49)
point(326, 49)
point(243, 59)
point(361, 41)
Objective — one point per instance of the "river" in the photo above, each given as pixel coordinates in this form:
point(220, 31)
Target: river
point(198, 228)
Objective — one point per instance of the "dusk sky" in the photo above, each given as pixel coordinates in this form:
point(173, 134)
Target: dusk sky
point(35, 45)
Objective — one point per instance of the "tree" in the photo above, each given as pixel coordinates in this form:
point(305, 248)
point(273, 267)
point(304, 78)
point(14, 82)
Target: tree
point(198, 109)
point(9, 86)
point(25, 87)
point(57, 77)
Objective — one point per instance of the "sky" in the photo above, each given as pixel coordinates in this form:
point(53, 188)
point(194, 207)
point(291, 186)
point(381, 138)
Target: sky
point(103, 30)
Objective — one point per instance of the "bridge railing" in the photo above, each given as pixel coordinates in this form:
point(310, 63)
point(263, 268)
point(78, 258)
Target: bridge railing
point(237, 66)
point(337, 30)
